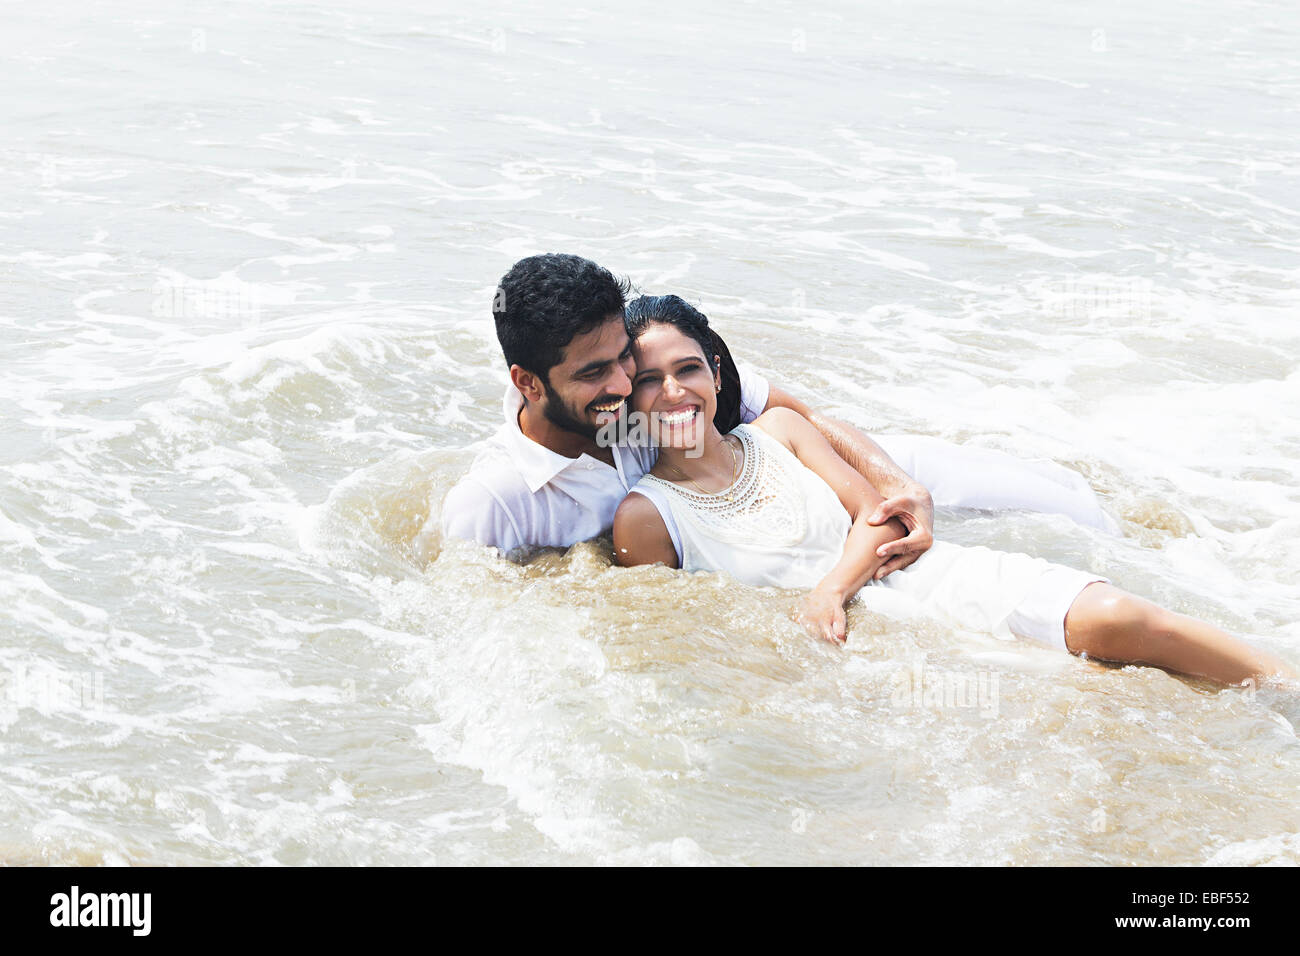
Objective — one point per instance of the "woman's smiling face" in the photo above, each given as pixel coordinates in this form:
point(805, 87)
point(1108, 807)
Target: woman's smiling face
point(673, 386)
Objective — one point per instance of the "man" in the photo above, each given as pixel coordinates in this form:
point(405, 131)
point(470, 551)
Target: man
point(544, 480)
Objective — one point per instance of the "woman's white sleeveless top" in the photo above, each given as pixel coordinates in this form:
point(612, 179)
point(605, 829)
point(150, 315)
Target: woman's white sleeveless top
point(780, 524)
point(783, 526)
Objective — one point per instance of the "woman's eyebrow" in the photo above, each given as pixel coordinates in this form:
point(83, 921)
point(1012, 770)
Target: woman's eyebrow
point(677, 362)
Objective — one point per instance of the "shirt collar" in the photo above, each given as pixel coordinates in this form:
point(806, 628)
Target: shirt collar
point(537, 463)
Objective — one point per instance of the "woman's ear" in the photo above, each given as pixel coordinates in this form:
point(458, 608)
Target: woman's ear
point(717, 374)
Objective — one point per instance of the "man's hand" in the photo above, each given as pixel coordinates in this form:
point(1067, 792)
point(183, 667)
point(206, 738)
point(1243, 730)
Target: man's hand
point(822, 613)
point(915, 509)
point(905, 499)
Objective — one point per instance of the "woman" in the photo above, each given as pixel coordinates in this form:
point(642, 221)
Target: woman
point(771, 503)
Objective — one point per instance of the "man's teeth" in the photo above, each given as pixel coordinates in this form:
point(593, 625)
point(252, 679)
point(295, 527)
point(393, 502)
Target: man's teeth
point(612, 407)
point(678, 418)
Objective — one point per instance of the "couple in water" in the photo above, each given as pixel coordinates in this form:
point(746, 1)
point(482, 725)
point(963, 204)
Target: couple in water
point(739, 476)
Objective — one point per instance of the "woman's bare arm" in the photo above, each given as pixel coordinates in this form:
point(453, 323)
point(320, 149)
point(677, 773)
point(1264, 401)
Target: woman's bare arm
point(824, 608)
point(904, 497)
point(640, 535)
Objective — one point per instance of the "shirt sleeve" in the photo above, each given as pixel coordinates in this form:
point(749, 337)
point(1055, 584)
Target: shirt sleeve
point(754, 389)
point(472, 512)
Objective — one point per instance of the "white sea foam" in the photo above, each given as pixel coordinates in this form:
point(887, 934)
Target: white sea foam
point(246, 348)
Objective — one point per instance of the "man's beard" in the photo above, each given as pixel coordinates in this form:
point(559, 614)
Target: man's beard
point(561, 416)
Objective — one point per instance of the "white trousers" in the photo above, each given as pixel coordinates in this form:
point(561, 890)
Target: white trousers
point(961, 477)
point(979, 589)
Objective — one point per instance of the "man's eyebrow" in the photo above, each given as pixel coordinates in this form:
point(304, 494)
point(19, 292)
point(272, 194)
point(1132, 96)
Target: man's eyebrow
point(593, 367)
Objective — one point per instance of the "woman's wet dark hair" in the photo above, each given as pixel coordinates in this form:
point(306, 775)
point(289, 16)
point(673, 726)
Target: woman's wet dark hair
point(691, 322)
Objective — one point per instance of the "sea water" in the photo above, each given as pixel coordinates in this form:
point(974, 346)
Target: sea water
point(248, 256)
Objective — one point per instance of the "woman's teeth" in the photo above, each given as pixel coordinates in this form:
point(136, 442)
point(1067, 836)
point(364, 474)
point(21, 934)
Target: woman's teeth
point(678, 418)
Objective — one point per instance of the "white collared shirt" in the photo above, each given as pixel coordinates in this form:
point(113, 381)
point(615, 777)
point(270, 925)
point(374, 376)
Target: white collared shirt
point(519, 494)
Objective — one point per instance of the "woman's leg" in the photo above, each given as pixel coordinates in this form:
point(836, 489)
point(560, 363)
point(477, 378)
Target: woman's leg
point(1113, 625)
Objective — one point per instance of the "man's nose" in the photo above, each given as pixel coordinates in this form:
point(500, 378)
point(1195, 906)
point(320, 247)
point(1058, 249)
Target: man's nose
point(620, 383)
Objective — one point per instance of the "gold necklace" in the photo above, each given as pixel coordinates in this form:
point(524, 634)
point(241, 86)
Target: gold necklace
point(735, 473)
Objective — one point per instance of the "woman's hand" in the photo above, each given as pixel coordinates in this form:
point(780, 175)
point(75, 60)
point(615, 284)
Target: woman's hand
point(822, 613)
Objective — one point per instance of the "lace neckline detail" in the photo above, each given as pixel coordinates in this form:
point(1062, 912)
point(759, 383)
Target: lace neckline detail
point(765, 504)
point(733, 491)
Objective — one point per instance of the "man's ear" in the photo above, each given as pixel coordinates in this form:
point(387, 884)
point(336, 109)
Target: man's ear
point(530, 386)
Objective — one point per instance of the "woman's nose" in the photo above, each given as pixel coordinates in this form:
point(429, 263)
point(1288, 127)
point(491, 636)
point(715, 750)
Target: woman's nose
point(671, 386)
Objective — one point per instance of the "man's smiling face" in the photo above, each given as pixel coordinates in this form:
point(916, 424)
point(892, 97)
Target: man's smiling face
point(587, 390)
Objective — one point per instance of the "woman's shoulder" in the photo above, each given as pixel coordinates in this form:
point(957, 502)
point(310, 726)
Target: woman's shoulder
point(779, 420)
point(637, 504)
point(641, 535)
point(782, 424)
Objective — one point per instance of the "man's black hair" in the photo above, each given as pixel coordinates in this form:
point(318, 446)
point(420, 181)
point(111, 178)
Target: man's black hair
point(545, 301)
point(691, 322)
